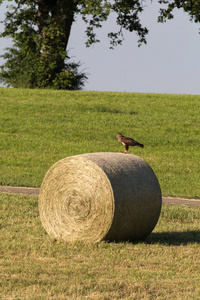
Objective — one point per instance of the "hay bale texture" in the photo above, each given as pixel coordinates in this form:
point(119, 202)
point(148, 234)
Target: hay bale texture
point(100, 196)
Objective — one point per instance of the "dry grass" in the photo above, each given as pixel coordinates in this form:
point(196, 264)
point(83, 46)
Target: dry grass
point(100, 196)
point(33, 266)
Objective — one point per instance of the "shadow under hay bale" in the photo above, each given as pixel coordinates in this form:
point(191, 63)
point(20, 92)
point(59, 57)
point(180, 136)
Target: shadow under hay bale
point(100, 196)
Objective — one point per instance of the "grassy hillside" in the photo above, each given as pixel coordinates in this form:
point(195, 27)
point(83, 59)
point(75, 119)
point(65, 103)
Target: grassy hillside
point(39, 127)
point(33, 266)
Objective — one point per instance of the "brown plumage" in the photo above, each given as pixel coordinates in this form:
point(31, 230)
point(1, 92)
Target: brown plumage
point(126, 141)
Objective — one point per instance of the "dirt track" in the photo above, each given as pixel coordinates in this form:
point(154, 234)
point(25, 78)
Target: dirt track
point(35, 191)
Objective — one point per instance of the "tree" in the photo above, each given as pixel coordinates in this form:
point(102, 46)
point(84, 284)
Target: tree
point(192, 7)
point(40, 32)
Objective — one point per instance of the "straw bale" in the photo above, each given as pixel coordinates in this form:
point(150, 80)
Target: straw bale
point(100, 196)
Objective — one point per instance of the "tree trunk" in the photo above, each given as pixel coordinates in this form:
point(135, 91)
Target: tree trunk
point(54, 20)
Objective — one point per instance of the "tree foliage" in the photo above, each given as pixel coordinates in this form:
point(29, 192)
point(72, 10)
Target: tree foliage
point(38, 57)
point(192, 7)
point(40, 32)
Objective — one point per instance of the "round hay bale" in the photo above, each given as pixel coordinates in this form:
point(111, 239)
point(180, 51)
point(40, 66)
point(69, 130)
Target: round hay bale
point(100, 196)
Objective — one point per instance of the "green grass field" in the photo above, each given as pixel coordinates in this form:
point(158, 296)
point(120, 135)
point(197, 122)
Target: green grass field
point(33, 266)
point(39, 127)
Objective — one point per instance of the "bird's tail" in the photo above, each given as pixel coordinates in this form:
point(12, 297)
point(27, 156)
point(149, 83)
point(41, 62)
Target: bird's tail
point(139, 145)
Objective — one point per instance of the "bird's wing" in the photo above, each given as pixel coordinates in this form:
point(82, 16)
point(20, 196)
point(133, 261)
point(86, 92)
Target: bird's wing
point(128, 141)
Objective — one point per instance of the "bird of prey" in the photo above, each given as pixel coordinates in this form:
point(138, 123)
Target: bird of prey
point(126, 141)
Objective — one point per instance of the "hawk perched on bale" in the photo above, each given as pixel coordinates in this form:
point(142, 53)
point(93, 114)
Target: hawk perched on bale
point(126, 141)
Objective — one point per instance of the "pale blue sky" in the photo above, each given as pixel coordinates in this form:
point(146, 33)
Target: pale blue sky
point(169, 63)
